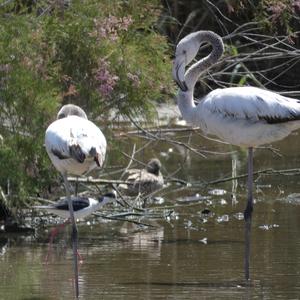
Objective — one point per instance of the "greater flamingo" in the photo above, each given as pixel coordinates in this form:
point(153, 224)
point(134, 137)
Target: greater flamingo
point(243, 116)
point(75, 146)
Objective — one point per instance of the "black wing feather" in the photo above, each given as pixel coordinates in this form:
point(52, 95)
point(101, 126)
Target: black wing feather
point(278, 120)
point(59, 154)
point(78, 204)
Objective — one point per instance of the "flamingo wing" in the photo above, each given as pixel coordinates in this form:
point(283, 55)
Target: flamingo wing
point(75, 138)
point(252, 104)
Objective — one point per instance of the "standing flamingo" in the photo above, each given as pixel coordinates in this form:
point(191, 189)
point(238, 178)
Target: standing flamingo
point(75, 146)
point(242, 116)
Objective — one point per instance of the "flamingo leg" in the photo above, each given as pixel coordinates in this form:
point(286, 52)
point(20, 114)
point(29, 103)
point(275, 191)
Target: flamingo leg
point(248, 213)
point(74, 235)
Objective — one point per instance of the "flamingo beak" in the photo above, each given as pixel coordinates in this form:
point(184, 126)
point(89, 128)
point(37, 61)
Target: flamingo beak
point(178, 73)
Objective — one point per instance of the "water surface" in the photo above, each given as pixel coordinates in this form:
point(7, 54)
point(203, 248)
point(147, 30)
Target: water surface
point(194, 250)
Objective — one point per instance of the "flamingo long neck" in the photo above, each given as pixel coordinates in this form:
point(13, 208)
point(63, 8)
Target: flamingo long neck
point(187, 106)
point(195, 70)
point(185, 98)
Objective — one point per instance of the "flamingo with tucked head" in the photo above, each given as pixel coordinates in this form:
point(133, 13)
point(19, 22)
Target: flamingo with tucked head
point(75, 146)
point(242, 116)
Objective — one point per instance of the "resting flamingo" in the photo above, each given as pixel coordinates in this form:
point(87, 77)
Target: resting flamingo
point(75, 146)
point(242, 116)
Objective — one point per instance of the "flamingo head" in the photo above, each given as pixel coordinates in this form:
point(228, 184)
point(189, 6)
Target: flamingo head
point(186, 51)
point(71, 110)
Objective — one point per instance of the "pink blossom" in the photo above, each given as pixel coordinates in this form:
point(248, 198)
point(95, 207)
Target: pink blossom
point(296, 5)
point(134, 79)
point(106, 81)
point(110, 27)
point(276, 10)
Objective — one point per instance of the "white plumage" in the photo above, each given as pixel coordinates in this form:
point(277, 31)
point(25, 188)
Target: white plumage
point(75, 145)
point(243, 116)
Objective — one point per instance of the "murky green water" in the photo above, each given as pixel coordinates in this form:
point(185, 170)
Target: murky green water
point(188, 254)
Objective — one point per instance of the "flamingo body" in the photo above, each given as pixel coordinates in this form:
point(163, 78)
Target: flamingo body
point(243, 116)
point(74, 132)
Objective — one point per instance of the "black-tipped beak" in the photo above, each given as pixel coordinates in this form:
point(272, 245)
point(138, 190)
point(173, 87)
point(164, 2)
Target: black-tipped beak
point(178, 74)
point(182, 85)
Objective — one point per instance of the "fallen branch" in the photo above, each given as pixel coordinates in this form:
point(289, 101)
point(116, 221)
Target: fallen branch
point(161, 130)
point(152, 136)
point(269, 172)
point(116, 218)
point(91, 180)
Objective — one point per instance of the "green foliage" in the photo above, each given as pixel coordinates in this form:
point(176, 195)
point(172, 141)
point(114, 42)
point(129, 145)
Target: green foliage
point(101, 55)
point(106, 55)
point(27, 102)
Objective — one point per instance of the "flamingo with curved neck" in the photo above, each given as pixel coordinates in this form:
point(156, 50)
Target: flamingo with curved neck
point(243, 116)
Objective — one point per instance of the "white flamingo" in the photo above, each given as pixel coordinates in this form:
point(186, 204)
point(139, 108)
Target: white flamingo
point(243, 116)
point(75, 146)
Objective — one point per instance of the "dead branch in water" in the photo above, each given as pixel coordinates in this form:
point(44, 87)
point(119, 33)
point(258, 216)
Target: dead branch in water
point(161, 130)
point(268, 172)
point(91, 180)
point(95, 181)
point(124, 219)
point(149, 135)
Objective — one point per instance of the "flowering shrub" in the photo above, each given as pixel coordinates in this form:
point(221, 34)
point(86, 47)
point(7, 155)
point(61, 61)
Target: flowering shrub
point(109, 28)
point(103, 55)
point(110, 51)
